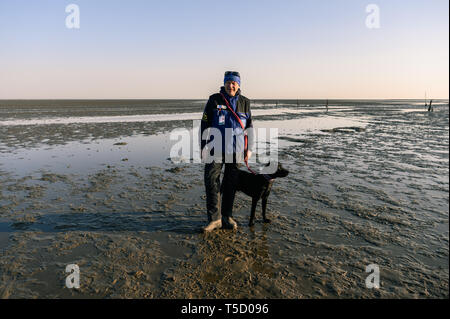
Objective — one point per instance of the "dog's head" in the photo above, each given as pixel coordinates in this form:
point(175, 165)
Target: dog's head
point(281, 171)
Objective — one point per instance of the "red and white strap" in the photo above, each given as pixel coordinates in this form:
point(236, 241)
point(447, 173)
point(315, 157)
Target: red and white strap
point(243, 128)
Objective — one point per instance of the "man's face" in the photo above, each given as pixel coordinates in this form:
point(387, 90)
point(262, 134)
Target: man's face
point(231, 87)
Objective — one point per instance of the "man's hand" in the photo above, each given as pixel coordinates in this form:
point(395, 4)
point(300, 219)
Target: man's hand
point(249, 154)
point(205, 153)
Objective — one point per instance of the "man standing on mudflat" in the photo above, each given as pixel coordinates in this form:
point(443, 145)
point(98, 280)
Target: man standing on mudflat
point(221, 118)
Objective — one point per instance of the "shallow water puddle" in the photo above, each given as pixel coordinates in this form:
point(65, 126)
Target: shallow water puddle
point(151, 150)
point(150, 117)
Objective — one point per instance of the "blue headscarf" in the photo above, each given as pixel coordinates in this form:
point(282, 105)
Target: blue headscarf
point(231, 77)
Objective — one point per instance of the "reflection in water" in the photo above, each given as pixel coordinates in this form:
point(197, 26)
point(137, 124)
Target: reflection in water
point(150, 150)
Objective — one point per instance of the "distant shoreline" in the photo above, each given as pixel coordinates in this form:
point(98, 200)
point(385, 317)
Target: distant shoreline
point(253, 99)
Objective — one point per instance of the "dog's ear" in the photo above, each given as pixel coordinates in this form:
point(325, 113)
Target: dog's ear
point(283, 172)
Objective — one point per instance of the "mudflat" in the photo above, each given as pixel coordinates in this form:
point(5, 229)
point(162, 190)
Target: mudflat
point(368, 184)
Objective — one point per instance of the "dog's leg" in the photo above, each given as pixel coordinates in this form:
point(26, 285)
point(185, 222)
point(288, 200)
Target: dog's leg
point(252, 214)
point(264, 206)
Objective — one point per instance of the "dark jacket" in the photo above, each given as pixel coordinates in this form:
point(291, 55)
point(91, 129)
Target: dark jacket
point(215, 108)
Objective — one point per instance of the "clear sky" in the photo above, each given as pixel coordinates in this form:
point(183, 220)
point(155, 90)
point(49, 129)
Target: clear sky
point(180, 49)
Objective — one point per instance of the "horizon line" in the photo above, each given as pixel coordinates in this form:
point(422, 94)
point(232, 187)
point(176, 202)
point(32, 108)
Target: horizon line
point(271, 99)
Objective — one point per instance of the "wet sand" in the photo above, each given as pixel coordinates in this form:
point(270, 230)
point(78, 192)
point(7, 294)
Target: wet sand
point(368, 185)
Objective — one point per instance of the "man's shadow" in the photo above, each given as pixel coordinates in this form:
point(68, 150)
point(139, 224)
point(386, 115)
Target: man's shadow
point(151, 221)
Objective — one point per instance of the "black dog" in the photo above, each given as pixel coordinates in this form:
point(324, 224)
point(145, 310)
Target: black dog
point(258, 186)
